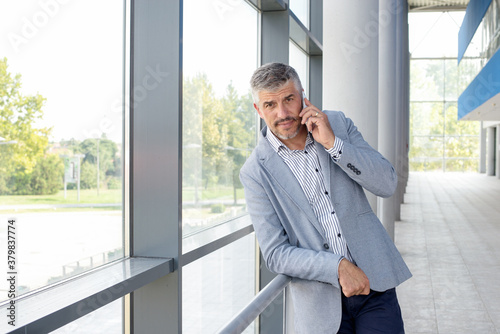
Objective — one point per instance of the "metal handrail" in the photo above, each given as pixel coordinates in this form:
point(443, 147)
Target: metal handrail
point(256, 306)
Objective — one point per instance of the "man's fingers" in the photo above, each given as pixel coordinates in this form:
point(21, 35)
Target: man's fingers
point(352, 279)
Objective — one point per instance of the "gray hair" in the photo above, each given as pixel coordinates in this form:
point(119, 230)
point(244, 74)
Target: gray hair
point(271, 77)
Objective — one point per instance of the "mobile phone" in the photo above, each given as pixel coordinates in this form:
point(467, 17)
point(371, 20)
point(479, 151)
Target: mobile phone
point(303, 101)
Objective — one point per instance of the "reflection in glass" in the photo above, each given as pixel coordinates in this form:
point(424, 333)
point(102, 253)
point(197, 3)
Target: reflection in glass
point(219, 121)
point(301, 9)
point(106, 319)
point(61, 174)
point(218, 286)
point(300, 62)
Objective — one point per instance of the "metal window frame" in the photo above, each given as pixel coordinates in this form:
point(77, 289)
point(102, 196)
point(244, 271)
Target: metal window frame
point(277, 29)
point(150, 276)
point(58, 304)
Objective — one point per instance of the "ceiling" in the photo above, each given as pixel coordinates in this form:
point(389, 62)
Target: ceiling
point(437, 5)
point(488, 111)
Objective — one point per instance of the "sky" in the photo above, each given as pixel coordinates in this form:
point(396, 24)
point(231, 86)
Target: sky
point(63, 52)
point(220, 39)
point(71, 52)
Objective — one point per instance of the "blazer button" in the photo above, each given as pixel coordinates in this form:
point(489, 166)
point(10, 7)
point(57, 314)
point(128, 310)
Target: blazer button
point(326, 246)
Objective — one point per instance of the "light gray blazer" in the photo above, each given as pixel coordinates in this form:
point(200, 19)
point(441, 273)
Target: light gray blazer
point(291, 238)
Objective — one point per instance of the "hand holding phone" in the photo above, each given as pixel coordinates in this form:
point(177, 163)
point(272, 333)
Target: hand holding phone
point(303, 100)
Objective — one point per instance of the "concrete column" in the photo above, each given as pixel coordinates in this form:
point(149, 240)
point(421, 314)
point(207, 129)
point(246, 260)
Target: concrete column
point(406, 110)
point(350, 65)
point(490, 163)
point(406, 101)
point(274, 48)
point(387, 100)
point(497, 152)
point(316, 62)
point(482, 150)
point(399, 116)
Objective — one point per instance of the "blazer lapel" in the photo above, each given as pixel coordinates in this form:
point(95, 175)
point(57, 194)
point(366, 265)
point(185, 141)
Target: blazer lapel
point(284, 178)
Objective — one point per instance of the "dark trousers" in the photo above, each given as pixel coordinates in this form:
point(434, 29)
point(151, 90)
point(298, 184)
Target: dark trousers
point(378, 312)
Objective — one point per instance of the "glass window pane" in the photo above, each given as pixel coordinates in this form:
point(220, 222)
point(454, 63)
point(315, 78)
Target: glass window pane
point(438, 141)
point(427, 80)
point(465, 147)
point(426, 118)
point(451, 81)
point(301, 9)
point(434, 34)
point(61, 177)
point(468, 69)
point(107, 319)
point(218, 286)
point(300, 62)
point(219, 121)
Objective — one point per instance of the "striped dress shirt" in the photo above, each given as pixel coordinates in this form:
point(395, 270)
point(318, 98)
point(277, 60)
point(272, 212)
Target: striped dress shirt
point(305, 166)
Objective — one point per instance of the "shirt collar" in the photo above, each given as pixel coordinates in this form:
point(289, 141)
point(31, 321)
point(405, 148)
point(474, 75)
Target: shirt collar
point(276, 144)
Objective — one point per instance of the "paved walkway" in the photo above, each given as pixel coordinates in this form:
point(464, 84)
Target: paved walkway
point(449, 235)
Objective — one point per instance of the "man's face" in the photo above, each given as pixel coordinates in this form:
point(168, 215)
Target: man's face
point(280, 110)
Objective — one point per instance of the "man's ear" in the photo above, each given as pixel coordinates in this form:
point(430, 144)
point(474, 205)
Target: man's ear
point(258, 110)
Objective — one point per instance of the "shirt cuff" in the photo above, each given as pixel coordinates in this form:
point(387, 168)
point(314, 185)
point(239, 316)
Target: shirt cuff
point(336, 150)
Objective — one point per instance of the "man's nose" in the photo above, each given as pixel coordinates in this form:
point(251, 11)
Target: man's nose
point(281, 110)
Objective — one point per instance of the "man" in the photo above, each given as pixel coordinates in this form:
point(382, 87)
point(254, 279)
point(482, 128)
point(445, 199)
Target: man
point(304, 192)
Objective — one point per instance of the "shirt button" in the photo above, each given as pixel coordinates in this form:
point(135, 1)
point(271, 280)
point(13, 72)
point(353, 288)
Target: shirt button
point(305, 152)
point(326, 246)
point(317, 170)
point(326, 192)
point(339, 235)
point(333, 212)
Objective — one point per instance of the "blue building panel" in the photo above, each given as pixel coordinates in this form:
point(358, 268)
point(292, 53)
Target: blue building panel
point(473, 16)
point(484, 86)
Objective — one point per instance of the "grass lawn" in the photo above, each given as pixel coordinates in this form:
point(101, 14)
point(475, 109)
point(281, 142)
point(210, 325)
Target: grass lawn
point(211, 193)
point(86, 196)
point(112, 196)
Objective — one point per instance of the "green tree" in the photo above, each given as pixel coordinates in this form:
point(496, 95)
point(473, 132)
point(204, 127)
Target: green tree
point(88, 176)
point(218, 135)
point(204, 132)
point(18, 113)
point(47, 175)
point(438, 140)
point(109, 164)
point(241, 120)
point(192, 126)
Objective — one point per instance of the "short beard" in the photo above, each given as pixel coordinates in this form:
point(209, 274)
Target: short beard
point(293, 135)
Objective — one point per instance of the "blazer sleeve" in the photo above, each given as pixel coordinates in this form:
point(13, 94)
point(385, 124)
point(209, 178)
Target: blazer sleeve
point(360, 161)
point(280, 255)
